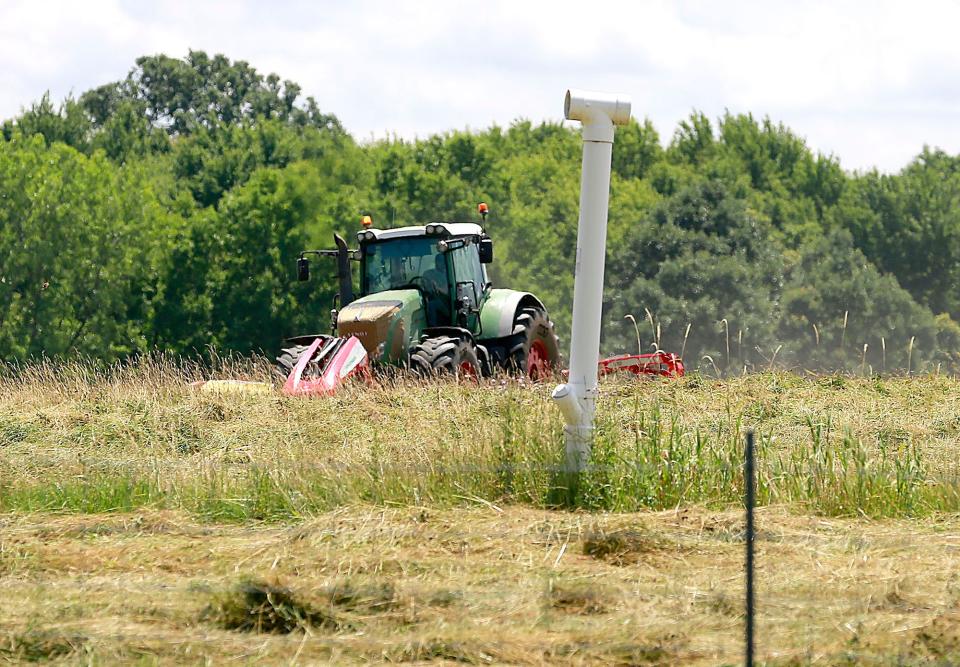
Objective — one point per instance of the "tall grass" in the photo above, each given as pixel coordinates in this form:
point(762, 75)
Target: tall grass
point(662, 464)
point(78, 439)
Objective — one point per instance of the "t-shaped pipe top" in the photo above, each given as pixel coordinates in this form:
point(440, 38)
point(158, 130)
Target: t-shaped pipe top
point(597, 112)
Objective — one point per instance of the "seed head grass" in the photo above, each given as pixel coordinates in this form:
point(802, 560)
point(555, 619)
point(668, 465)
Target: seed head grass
point(83, 438)
point(144, 521)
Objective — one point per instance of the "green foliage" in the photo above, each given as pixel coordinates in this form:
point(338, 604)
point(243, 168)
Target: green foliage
point(698, 258)
point(638, 149)
point(835, 302)
point(209, 163)
point(693, 142)
point(218, 294)
point(67, 124)
point(80, 242)
point(167, 209)
point(181, 96)
point(909, 226)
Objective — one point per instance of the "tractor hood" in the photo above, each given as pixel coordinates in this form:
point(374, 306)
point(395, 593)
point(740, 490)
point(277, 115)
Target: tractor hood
point(384, 323)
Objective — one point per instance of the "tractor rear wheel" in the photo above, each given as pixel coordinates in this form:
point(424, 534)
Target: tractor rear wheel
point(445, 354)
point(534, 349)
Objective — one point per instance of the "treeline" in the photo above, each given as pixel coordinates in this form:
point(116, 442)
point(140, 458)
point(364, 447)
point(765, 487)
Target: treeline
point(165, 212)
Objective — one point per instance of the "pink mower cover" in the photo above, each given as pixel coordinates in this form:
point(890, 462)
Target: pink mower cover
point(328, 362)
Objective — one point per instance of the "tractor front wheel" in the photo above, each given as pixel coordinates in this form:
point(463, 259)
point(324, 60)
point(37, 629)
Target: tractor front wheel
point(443, 355)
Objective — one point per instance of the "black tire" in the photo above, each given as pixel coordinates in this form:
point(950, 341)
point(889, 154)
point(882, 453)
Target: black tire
point(289, 356)
point(532, 329)
point(445, 355)
point(486, 361)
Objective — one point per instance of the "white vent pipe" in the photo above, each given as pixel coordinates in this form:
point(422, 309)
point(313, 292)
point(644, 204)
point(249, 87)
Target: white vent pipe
point(598, 113)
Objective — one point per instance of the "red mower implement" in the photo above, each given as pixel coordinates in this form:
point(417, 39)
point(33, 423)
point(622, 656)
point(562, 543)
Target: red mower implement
point(325, 364)
point(666, 364)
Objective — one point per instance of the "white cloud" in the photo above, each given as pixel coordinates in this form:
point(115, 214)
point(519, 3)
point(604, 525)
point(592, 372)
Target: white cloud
point(870, 82)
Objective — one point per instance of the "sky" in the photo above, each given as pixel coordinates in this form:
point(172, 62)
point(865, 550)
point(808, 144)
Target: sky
point(870, 83)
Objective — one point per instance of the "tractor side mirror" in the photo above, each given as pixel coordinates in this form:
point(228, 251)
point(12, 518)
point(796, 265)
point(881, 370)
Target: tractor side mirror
point(303, 269)
point(486, 251)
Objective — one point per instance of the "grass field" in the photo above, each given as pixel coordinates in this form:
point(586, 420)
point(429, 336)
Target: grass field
point(144, 521)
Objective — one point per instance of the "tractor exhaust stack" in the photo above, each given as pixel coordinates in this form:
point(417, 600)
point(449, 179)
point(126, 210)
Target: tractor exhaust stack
point(598, 113)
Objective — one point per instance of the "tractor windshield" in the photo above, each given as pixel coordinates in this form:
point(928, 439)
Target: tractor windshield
point(403, 263)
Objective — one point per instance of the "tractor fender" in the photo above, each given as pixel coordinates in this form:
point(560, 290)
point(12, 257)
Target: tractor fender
point(500, 309)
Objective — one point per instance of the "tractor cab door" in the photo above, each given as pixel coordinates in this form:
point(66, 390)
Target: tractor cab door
point(438, 296)
point(469, 280)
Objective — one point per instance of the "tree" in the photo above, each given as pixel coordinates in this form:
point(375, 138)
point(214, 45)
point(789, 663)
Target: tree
point(835, 302)
point(79, 241)
point(67, 124)
point(693, 142)
point(231, 282)
point(167, 209)
point(637, 149)
point(700, 259)
point(909, 226)
point(200, 92)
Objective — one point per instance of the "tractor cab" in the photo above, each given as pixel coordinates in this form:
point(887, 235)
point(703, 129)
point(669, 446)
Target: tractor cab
point(443, 262)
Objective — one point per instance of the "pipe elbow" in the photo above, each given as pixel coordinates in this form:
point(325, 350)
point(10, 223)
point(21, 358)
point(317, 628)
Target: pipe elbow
point(568, 403)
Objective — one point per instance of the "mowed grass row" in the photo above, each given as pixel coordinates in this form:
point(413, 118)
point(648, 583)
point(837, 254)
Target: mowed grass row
point(473, 585)
point(76, 438)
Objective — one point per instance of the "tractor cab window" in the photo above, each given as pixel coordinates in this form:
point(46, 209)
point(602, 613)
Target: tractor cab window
point(410, 263)
point(401, 263)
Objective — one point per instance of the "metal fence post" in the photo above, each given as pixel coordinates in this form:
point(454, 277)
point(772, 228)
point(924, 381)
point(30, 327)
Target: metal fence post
point(750, 498)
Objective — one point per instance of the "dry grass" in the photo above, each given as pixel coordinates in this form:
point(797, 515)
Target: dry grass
point(474, 585)
point(579, 597)
point(621, 547)
point(260, 606)
point(409, 522)
point(79, 440)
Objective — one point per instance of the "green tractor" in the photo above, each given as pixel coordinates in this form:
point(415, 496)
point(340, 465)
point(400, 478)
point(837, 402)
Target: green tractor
point(426, 303)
